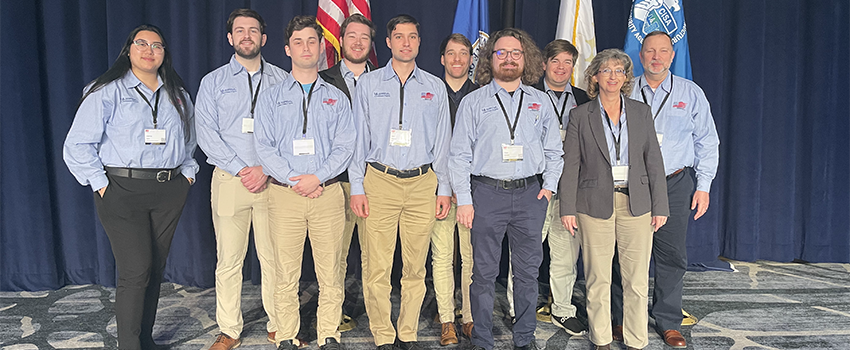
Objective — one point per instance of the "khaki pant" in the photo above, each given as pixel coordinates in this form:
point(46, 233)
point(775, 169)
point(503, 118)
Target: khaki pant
point(633, 239)
point(348, 232)
point(291, 216)
point(563, 255)
point(442, 267)
point(405, 209)
point(234, 209)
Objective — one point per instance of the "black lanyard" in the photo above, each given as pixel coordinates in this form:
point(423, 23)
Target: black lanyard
point(251, 89)
point(662, 101)
point(563, 108)
point(304, 104)
point(508, 119)
point(154, 108)
point(401, 98)
point(620, 134)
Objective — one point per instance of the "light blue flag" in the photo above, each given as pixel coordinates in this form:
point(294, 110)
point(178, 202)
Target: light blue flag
point(472, 19)
point(664, 15)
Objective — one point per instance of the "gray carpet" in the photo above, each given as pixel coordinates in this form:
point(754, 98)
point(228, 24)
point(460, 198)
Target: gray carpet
point(764, 305)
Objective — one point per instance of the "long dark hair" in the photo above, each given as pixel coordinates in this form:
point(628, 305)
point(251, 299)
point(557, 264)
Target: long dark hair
point(173, 84)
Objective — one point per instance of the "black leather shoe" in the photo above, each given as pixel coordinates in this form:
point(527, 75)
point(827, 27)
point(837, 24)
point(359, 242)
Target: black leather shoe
point(529, 346)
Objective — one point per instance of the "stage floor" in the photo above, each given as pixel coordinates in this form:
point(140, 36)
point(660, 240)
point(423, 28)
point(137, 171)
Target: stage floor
point(763, 305)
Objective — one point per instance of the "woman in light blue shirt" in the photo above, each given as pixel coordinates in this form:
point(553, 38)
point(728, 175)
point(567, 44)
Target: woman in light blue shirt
point(132, 140)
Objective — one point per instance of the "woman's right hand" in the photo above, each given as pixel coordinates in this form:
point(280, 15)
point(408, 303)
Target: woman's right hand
point(569, 222)
point(102, 190)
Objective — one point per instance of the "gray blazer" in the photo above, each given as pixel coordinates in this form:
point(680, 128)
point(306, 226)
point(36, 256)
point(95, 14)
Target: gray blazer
point(587, 185)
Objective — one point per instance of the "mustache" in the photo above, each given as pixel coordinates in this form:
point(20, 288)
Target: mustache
point(508, 64)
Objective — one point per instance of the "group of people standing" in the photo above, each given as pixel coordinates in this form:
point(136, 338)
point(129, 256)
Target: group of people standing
point(403, 155)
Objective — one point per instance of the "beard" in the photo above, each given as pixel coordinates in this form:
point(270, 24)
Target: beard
point(247, 54)
point(352, 58)
point(504, 73)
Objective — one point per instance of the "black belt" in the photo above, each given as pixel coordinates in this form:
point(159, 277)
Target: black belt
point(401, 174)
point(623, 190)
point(323, 184)
point(160, 175)
point(507, 184)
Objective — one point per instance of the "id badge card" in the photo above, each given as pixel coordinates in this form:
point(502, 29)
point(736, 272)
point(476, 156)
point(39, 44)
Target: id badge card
point(247, 125)
point(303, 147)
point(154, 136)
point(660, 138)
point(563, 135)
point(620, 172)
point(511, 153)
point(400, 138)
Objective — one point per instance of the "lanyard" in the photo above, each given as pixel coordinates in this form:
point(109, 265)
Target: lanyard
point(401, 99)
point(508, 119)
point(251, 89)
point(304, 104)
point(620, 127)
point(563, 107)
point(662, 101)
point(154, 108)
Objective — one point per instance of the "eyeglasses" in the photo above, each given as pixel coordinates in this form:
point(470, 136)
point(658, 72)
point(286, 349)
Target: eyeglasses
point(142, 45)
point(607, 72)
point(503, 54)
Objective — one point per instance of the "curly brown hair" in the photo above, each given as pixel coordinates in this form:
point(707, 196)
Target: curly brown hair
point(606, 58)
point(533, 69)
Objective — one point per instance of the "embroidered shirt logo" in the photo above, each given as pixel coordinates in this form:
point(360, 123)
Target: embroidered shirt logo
point(228, 91)
point(427, 96)
point(381, 94)
point(680, 105)
point(534, 107)
point(329, 101)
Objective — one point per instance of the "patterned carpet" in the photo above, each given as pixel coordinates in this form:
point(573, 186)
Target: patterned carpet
point(763, 305)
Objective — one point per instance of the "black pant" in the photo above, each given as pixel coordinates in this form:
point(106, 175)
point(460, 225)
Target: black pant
point(670, 254)
point(140, 217)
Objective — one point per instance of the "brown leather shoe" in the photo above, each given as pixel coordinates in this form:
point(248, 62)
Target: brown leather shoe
point(448, 335)
point(675, 339)
point(225, 342)
point(617, 333)
point(467, 329)
point(270, 338)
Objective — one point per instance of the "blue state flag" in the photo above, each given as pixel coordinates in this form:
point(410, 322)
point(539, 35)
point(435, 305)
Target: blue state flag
point(472, 19)
point(665, 15)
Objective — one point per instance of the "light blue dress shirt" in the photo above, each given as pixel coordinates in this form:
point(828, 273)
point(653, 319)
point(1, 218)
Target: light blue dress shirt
point(109, 130)
point(348, 76)
point(279, 120)
point(689, 135)
point(615, 132)
point(481, 130)
point(376, 106)
point(224, 99)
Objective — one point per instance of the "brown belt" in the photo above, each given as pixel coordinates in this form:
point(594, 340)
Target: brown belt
point(324, 184)
point(675, 173)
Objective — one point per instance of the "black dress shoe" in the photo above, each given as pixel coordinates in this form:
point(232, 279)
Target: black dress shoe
point(529, 346)
point(408, 345)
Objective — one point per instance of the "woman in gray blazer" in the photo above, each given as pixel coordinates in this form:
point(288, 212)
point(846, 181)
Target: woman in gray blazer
point(613, 188)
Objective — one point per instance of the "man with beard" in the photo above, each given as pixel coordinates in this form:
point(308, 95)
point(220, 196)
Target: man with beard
point(505, 165)
point(689, 145)
point(403, 134)
point(304, 141)
point(455, 55)
point(356, 43)
point(225, 124)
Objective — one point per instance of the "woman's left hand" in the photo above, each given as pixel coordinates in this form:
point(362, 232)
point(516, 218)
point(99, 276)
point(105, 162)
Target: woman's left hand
point(658, 221)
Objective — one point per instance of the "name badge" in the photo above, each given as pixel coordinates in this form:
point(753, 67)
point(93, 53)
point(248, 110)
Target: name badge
point(563, 135)
point(303, 147)
point(400, 138)
point(154, 136)
point(511, 153)
point(247, 125)
point(660, 137)
point(620, 172)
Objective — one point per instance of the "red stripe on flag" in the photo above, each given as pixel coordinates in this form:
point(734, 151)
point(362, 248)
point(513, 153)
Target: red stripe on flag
point(363, 7)
point(331, 24)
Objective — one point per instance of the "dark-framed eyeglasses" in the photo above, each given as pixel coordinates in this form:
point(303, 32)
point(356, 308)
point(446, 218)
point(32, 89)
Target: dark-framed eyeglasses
point(503, 54)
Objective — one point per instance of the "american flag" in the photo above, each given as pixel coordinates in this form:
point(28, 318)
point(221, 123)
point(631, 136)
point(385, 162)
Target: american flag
point(330, 15)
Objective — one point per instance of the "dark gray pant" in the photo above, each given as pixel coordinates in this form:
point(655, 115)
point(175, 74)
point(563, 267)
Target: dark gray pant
point(520, 214)
point(140, 217)
point(670, 253)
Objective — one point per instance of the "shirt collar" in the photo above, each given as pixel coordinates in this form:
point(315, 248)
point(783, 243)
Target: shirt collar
point(236, 67)
point(131, 81)
point(291, 83)
point(494, 88)
point(665, 85)
point(568, 88)
point(389, 72)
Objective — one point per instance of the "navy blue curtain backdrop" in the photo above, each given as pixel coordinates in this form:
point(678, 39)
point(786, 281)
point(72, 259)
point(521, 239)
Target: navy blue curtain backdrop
point(775, 73)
